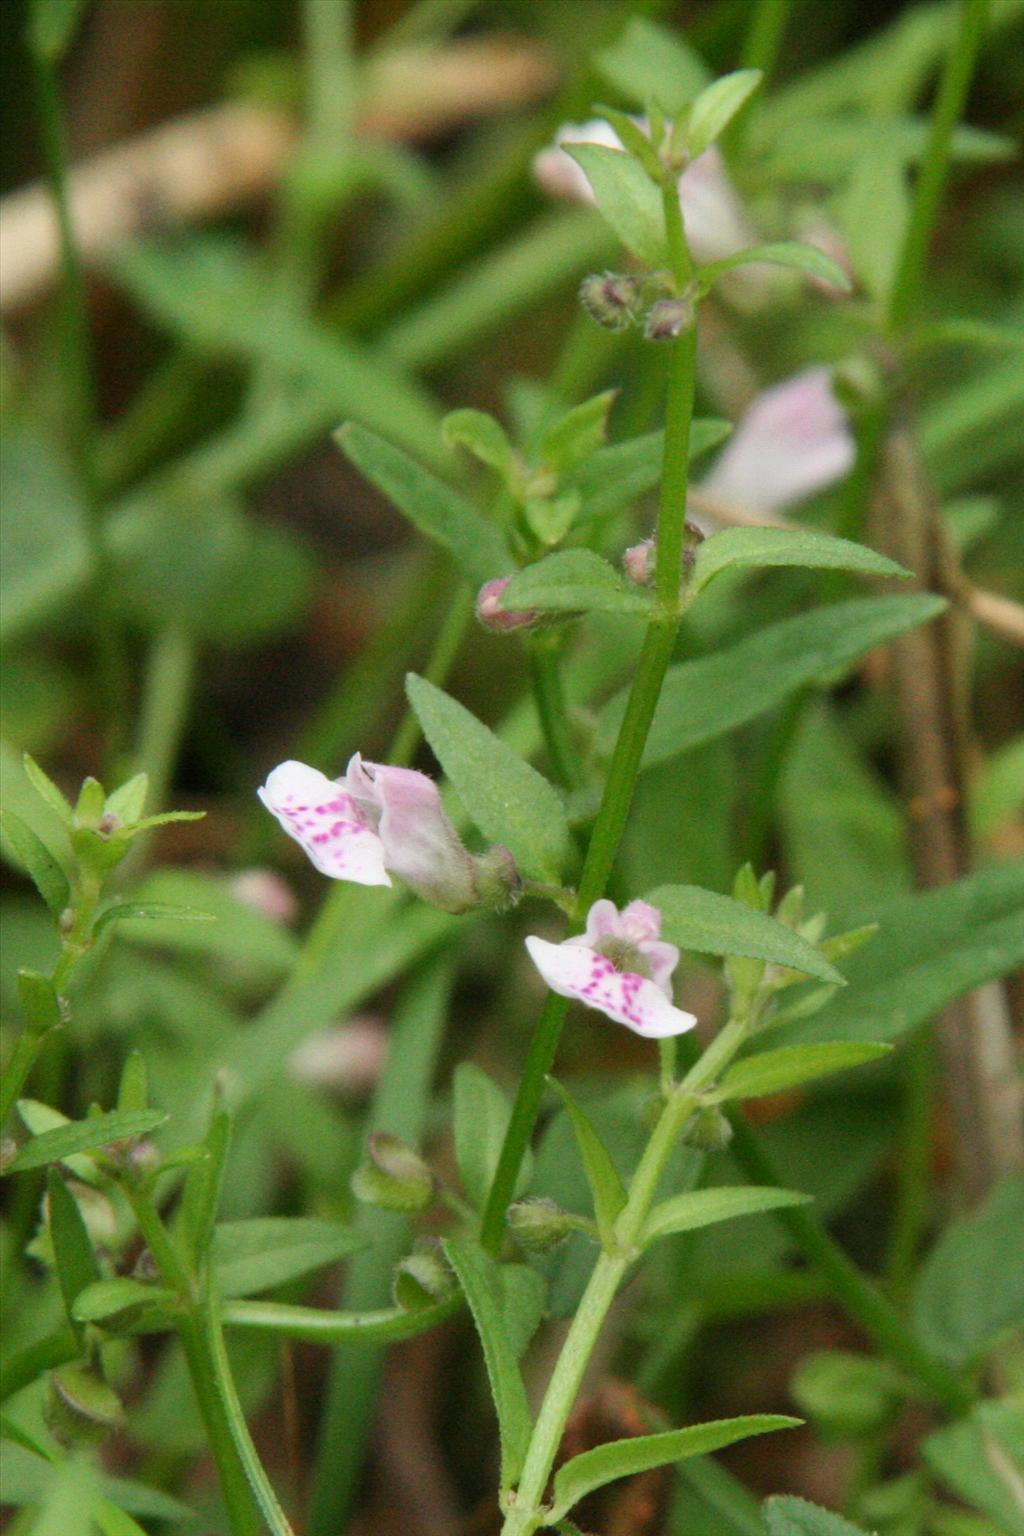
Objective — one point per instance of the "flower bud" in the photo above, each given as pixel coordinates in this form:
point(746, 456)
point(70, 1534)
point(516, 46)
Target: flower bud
point(81, 1408)
point(708, 1130)
point(423, 1276)
point(538, 1223)
point(668, 318)
point(638, 562)
point(394, 1177)
point(611, 298)
point(502, 620)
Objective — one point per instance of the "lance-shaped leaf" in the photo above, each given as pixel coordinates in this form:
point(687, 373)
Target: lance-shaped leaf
point(712, 695)
point(717, 925)
point(627, 198)
point(254, 1255)
point(716, 106)
point(122, 1299)
point(433, 507)
point(151, 911)
point(790, 1065)
point(786, 1515)
point(784, 546)
point(480, 1116)
point(72, 1246)
point(574, 581)
point(85, 1135)
point(606, 1186)
point(38, 862)
point(704, 1207)
point(47, 789)
point(624, 1458)
point(482, 436)
point(508, 799)
point(786, 253)
point(479, 1280)
point(39, 1002)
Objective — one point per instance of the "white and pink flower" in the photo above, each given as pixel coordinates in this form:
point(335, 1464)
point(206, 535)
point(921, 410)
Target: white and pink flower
point(794, 440)
point(375, 822)
point(621, 966)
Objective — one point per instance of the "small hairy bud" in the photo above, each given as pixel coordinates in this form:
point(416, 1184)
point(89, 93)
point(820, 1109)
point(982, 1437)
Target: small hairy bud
point(498, 881)
point(81, 1408)
point(394, 1177)
point(538, 1223)
point(709, 1130)
point(422, 1277)
point(638, 562)
point(668, 318)
point(501, 620)
point(610, 298)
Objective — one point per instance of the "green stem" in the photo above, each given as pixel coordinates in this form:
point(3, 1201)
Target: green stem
point(764, 35)
point(931, 180)
point(913, 1166)
point(549, 696)
point(191, 1326)
point(609, 1271)
point(23, 1058)
point(858, 1295)
point(170, 669)
point(655, 655)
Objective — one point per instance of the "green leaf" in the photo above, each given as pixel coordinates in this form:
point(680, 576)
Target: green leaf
point(509, 800)
point(440, 513)
point(150, 911)
point(480, 1116)
point(787, 253)
point(482, 436)
point(47, 557)
point(84, 1135)
point(72, 1246)
point(772, 1071)
point(971, 1288)
point(577, 435)
point(606, 1187)
point(704, 1207)
point(523, 1293)
point(113, 1521)
point(574, 581)
point(128, 801)
point(786, 1515)
point(873, 215)
point(979, 1459)
point(930, 949)
point(203, 1185)
point(38, 862)
point(648, 62)
point(253, 945)
point(106, 1299)
point(716, 106)
point(479, 1278)
point(846, 1395)
point(40, 1004)
point(624, 1458)
point(617, 475)
point(717, 925)
point(47, 789)
point(712, 695)
point(133, 1089)
point(627, 198)
point(250, 1256)
point(783, 546)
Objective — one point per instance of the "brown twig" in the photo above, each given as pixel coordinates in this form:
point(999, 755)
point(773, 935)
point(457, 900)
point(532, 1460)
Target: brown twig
point(217, 160)
point(975, 1041)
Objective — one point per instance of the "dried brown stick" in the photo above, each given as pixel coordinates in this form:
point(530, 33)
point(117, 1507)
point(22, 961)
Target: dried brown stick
point(217, 160)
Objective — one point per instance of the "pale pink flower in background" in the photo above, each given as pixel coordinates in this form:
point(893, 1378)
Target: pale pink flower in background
point(620, 965)
point(375, 822)
point(793, 440)
point(346, 1058)
point(265, 892)
point(716, 222)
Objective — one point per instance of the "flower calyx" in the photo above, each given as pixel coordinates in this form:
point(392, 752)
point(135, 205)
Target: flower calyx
point(394, 1177)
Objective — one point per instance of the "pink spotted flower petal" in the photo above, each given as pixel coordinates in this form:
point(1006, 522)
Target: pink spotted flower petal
point(326, 822)
point(602, 967)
